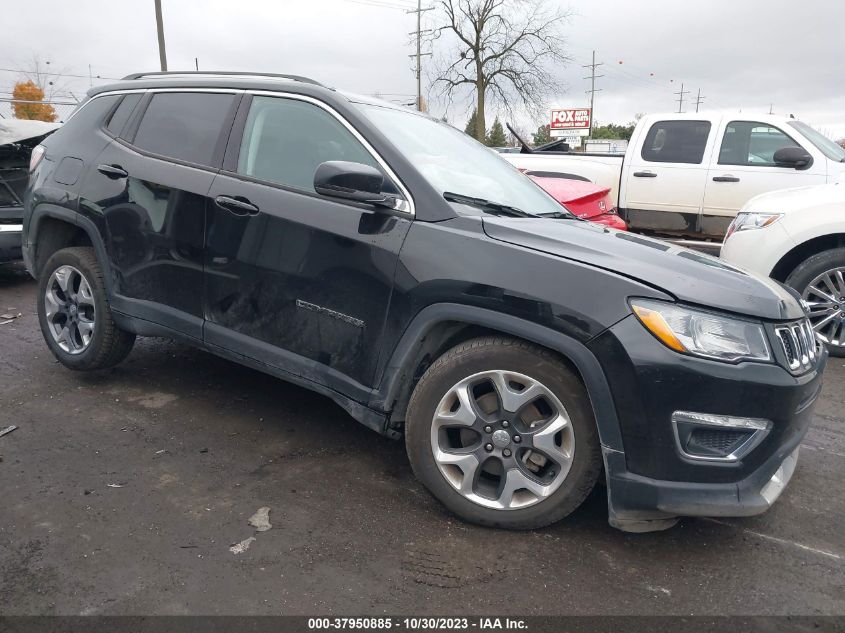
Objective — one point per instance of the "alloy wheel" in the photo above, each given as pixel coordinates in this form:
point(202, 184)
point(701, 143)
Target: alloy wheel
point(69, 308)
point(502, 439)
point(825, 299)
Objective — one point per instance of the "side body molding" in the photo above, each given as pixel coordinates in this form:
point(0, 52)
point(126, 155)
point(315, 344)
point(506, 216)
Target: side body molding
point(398, 372)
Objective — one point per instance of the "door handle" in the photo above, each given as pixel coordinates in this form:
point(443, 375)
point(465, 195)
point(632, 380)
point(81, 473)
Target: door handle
point(645, 174)
point(725, 179)
point(113, 171)
point(237, 205)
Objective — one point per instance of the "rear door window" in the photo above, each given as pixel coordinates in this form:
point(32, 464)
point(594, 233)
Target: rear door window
point(752, 143)
point(184, 125)
point(676, 142)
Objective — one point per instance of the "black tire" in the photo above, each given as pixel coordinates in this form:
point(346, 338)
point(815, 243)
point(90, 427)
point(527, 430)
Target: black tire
point(108, 345)
point(498, 353)
point(811, 268)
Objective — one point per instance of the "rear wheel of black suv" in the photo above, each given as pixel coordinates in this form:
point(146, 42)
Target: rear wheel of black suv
point(74, 313)
point(502, 433)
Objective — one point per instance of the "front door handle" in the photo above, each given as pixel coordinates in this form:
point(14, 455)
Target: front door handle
point(113, 171)
point(725, 179)
point(645, 174)
point(237, 205)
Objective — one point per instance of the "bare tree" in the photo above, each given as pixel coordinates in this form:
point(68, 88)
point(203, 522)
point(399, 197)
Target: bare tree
point(502, 51)
point(44, 75)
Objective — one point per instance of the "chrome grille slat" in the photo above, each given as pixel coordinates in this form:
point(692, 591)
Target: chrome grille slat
point(799, 345)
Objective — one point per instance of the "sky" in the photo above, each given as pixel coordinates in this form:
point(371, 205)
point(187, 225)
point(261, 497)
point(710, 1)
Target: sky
point(743, 55)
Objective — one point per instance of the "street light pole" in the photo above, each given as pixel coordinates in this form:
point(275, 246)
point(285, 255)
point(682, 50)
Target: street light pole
point(162, 54)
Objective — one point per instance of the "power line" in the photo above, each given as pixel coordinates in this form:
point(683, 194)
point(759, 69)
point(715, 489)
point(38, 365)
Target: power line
point(24, 72)
point(681, 94)
point(382, 4)
point(592, 91)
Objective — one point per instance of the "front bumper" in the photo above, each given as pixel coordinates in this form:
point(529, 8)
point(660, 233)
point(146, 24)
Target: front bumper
point(641, 504)
point(651, 482)
point(10, 242)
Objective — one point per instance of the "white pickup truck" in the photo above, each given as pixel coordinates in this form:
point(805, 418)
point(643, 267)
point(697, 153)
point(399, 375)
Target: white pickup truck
point(687, 175)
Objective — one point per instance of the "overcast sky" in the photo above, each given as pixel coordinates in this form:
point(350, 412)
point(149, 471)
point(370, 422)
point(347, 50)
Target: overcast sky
point(741, 54)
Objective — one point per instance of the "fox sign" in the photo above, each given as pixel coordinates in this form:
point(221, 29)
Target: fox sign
point(577, 119)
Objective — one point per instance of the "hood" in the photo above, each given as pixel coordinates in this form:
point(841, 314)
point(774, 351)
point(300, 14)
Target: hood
point(797, 199)
point(17, 130)
point(687, 275)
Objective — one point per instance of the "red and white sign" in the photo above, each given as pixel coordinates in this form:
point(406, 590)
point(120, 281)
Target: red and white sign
point(574, 119)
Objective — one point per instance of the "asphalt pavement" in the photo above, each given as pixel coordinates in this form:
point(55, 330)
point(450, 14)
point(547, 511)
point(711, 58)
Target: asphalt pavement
point(130, 491)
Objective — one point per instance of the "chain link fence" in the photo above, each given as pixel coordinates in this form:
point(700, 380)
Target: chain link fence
point(62, 108)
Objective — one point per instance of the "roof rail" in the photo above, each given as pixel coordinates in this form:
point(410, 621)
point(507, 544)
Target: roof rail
point(225, 73)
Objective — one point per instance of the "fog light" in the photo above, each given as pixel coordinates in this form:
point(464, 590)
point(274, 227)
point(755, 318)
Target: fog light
point(712, 437)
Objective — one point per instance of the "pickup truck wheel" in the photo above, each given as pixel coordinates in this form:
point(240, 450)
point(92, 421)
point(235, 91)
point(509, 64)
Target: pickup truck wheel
point(502, 433)
point(74, 314)
point(820, 280)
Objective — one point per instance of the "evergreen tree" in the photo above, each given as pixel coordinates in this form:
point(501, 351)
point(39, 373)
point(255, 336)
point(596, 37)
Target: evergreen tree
point(470, 128)
point(496, 136)
point(542, 135)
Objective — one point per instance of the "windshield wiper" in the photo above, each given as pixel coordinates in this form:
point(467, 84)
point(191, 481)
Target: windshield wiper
point(494, 208)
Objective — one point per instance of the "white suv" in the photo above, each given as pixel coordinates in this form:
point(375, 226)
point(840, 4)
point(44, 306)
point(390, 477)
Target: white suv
point(797, 236)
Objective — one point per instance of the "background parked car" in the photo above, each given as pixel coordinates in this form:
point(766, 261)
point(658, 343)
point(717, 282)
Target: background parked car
point(17, 138)
point(797, 236)
point(584, 199)
point(687, 175)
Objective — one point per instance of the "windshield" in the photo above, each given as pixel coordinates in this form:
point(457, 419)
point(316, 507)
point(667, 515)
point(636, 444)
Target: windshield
point(454, 162)
point(825, 145)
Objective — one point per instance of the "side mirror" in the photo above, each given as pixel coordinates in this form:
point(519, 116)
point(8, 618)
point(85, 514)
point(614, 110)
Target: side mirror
point(794, 157)
point(350, 181)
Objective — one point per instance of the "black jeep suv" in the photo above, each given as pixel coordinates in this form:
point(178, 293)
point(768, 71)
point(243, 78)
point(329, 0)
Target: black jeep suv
point(392, 263)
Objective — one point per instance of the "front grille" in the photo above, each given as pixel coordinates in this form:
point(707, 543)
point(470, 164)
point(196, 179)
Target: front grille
point(799, 345)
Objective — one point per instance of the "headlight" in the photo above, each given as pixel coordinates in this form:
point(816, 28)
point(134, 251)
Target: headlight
point(746, 221)
point(701, 333)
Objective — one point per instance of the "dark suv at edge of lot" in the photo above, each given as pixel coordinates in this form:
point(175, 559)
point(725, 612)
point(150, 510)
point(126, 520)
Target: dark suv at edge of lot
point(390, 262)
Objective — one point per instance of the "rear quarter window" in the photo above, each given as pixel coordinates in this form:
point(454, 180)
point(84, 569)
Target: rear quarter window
point(184, 125)
point(676, 142)
point(121, 115)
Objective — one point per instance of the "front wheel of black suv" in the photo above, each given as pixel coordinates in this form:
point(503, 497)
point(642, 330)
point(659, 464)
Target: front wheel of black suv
point(74, 313)
point(502, 433)
point(820, 280)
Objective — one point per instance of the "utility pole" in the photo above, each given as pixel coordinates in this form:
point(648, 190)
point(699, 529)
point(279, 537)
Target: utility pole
point(162, 54)
point(197, 63)
point(771, 108)
point(419, 54)
point(592, 91)
point(90, 78)
point(681, 94)
point(698, 99)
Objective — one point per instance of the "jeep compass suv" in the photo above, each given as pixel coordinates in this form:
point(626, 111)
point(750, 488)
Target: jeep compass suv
point(394, 264)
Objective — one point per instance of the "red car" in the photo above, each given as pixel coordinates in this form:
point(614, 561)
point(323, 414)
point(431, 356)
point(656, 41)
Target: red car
point(584, 199)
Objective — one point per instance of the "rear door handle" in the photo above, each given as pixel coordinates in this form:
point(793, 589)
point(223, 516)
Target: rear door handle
point(113, 171)
point(237, 205)
point(645, 174)
point(725, 179)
